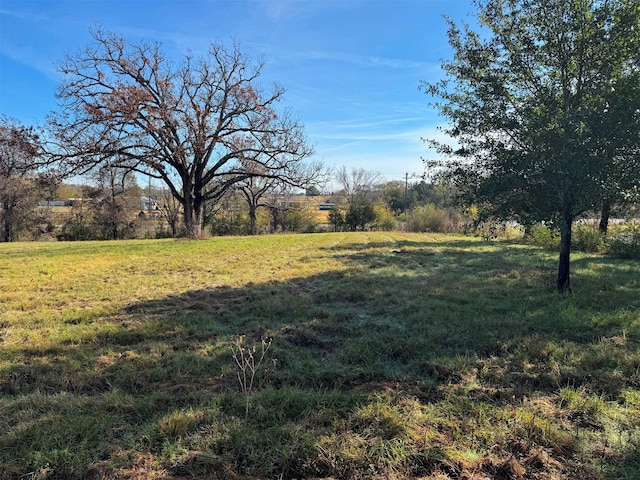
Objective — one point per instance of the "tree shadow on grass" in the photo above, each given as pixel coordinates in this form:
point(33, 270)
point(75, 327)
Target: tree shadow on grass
point(431, 321)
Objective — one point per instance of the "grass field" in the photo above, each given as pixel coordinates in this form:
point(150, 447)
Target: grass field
point(342, 355)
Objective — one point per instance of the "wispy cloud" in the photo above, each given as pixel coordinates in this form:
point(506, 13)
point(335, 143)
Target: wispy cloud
point(34, 59)
point(358, 60)
point(23, 15)
point(339, 131)
point(288, 10)
point(41, 57)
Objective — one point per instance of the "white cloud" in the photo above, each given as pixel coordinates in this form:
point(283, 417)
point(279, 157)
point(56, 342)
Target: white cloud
point(288, 10)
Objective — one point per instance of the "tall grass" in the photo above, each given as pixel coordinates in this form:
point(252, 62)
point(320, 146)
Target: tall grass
point(392, 355)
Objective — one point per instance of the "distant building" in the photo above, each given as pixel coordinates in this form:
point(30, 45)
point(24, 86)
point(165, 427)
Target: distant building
point(326, 206)
point(148, 204)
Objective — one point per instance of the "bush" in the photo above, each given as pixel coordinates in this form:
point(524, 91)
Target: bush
point(226, 222)
point(384, 219)
point(541, 235)
point(430, 218)
point(489, 230)
point(336, 219)
point(587, 238)
point(625, 242)
point(78, 227)
point(359, 215)
point(164, 232)
point(300, 221)
point(584, 237)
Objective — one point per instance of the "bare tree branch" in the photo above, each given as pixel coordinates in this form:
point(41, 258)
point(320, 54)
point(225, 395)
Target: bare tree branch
point(188, 125)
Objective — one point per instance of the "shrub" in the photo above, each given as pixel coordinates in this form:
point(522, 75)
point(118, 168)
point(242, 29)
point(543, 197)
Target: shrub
point(336, 219)
point(228, 222)
point(300, 221)
point(78, 227)
point(430, 218)
point(359, 215)
point(541, 235)
point(587, 238)
point(489, 230)
point(384, 219)
point(626, 241)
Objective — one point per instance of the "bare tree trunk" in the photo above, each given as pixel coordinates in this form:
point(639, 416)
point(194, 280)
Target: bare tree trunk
point(604, 215)
point(253, 219)
point(192, 220)
point(197, 223)
point(193, 210)
point(193, 227)
point(170, 211)
point(112, 207)
point(7, 231)
point(563, 283)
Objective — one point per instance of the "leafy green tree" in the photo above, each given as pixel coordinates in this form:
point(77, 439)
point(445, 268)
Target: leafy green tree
point(299, 220)
point(383, 217)
point(615, 136)
point(336, 219)
point(359, 214)
point(525, 97)
point(394, 195)
point(439, 192)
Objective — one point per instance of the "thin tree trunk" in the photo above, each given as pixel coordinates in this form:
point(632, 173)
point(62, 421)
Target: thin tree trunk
point(8, 223)
point(7, 232)
point(604, 216)
point(563, 283)
point(274, 219)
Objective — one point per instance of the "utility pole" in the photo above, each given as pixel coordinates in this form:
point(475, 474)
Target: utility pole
point(407, 176)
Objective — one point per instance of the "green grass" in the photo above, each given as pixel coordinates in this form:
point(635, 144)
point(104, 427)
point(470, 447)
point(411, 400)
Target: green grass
point(393, 356)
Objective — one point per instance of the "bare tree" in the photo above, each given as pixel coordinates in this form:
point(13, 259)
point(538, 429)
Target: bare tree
point(255, 188)
point(170, 211)
point(186, 125)
point(21, 184)
point(116, 199)
point(357, 184)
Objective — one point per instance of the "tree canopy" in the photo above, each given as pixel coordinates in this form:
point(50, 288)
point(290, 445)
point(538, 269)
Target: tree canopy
point(191, 125)
point(21, 182)
point(542, 100)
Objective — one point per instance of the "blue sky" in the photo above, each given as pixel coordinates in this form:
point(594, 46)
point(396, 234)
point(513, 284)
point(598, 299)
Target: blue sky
point(351, 68)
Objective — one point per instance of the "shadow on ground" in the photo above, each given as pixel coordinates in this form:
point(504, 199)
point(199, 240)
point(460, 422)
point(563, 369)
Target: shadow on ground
point(411, 318)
